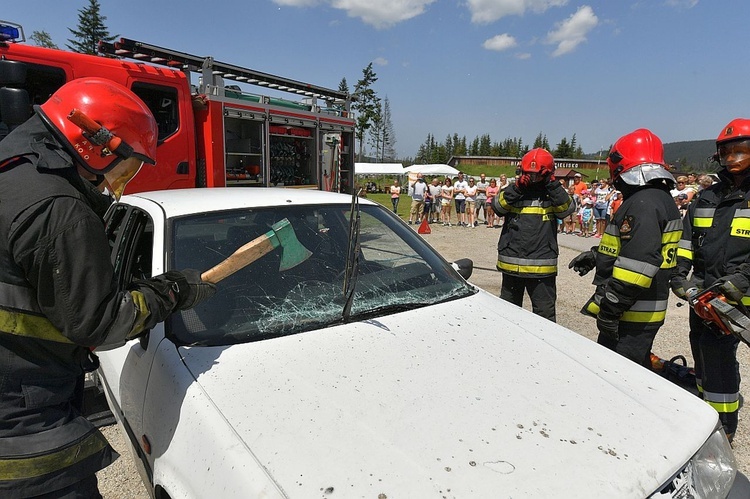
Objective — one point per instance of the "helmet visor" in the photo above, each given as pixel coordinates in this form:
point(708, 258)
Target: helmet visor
point(119, 176)
point(735, 155)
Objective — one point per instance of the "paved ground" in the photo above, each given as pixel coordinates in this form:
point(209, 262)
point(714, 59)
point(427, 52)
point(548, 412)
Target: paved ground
point(479, 244)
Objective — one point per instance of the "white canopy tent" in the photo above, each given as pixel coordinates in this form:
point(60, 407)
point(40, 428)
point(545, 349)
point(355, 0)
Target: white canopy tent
point(378, 169)
point(434, 169)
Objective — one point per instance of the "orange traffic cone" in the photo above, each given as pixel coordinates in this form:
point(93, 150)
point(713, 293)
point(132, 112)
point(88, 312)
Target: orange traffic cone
point(424, 227)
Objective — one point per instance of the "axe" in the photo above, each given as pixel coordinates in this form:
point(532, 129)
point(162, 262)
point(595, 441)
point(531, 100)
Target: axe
point(281, 234)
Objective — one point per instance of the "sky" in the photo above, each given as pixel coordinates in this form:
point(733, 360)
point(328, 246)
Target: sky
point(507, 68)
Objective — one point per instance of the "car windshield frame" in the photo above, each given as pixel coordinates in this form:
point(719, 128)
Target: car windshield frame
point(397, 271)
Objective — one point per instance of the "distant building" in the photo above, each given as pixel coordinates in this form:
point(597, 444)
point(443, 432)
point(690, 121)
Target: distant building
point(583, 166)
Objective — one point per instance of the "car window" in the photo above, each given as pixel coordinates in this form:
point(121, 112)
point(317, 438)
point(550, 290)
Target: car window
point(130, 234)
point(397, 270)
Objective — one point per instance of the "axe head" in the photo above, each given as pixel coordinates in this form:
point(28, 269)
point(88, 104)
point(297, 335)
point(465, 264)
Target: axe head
point(292, 251)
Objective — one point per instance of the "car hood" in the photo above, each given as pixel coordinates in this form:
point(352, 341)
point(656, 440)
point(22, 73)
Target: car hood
point(466, 398)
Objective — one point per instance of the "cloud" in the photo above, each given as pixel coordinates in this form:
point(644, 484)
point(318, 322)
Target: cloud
point(296, 3)
point(380, 61)
point(523, 56)
point(572, 32)
point(686, 4)
point(487, 11)
point(500, 42)
point(380, 13)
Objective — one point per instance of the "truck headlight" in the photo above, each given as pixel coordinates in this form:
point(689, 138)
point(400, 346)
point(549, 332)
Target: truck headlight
point(714, 467)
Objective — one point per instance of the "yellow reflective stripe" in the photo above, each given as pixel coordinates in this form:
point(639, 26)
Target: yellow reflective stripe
point(703, 222)
point(609, 245)
point(592, 308)
point(526, 269)
point(740, 227)
point(30, 326)
point(685, 253)
point(143, 312)
point(631, 277)
point(724, 406)
point(671, 237)
point(746, 300)
point(631, 316)
point(31, 467)
point(669, 254)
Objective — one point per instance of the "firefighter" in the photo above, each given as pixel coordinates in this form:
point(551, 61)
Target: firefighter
point(527, 250)
point(637, 252)
point(58, 296)
point(715, 244)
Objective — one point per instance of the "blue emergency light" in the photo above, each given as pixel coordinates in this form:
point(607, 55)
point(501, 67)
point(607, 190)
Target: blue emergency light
point(9, 33)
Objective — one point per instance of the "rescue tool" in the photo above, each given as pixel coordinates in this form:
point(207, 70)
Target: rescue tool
point(712, 306)
point(281, 234)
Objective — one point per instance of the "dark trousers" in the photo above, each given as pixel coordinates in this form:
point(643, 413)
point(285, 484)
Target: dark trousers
point(542, 291)
point(717, 371)
point(634, 342)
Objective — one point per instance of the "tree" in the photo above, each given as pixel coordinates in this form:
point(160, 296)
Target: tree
point(541, 141)
point(375, 132)
point(563, 149)
point(42, 39)
point(389, 133)
point(366, 104)
point(90, 30)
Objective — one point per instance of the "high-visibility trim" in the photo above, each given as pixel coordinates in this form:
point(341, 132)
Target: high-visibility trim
point(30, 326)
point(561, 208)
point(631, 277)
point(674, 226)
point(685, 244)
point(685, 253)
point(527, 265)
point(703, 217)
point(631, 316)
point(593, 308)
point(142, 314)
point(609, 245)
point(740, 226)
point(20, 468)
point(746, 300)
point(722, 402)
point(644, 268)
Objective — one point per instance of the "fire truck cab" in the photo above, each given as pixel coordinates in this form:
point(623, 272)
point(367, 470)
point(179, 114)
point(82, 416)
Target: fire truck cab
point(211, 133)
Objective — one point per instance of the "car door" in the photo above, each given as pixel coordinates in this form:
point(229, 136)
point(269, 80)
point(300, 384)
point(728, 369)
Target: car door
point(125, 370)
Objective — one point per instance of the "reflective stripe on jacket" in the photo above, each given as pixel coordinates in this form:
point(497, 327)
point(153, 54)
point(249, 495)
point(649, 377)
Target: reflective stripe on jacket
point(716, 234)
point(636, 257)
point(528, 241)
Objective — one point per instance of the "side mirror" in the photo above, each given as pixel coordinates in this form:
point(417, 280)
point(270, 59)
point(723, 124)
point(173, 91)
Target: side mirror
point(464, 267)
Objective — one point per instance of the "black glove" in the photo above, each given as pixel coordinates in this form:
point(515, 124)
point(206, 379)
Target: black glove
point(189, 288)
point(733, 286)
point(683, 288)
point(608, 326)
point(584, 262)
point(523, 182)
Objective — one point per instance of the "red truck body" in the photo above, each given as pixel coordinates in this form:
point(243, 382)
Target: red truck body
point(210, 134)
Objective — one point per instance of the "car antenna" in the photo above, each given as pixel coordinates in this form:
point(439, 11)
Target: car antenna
point(352, 256)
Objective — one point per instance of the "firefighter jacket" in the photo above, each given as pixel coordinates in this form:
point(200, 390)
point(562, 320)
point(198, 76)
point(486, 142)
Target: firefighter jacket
point(57, 298)
point(635, 260)
point(716, 234)
point(528, 241)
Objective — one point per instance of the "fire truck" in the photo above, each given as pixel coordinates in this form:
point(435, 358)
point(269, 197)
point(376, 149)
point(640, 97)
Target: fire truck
point(213, 131)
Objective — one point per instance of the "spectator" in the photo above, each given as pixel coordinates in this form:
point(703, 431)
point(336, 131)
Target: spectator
point(615, 203)
point(492, 192)
point(435, 196)
point(395, 195)
point(418, 191)
point(471, 192)
point(447, 201)
point(503, 184)
point(570, 220)
point(481, 199)
point(603, 194)
point(578, 184)
point(527, 250)
point(704, 182)
point(459, 189)
point(587, 217)
point(683, 188)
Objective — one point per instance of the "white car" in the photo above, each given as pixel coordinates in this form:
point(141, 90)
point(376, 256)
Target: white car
point(371, 368)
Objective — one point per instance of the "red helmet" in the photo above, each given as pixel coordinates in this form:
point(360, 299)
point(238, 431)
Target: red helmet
point(635, 149)
point(538, 161)
point(103, 122)
point(733, 146)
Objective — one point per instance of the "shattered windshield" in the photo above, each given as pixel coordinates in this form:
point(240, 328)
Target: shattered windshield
point(299, 284)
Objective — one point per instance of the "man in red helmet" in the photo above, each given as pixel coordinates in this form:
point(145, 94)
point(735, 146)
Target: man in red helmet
point(637, 252)
point(527, 250)
point(715, 244)
point(58, 297)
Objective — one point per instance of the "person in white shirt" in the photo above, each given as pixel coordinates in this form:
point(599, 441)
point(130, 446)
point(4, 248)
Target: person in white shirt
point(481, 200)
point(459, 187)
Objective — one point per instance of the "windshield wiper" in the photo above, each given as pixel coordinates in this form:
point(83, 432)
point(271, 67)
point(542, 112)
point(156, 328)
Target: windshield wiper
point(352, 257)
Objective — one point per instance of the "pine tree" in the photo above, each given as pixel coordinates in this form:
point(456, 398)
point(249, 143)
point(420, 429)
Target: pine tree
point(90, 30)
point(366, 104)
point(389, 133)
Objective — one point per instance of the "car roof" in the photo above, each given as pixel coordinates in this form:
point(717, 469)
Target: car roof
point(179, 202)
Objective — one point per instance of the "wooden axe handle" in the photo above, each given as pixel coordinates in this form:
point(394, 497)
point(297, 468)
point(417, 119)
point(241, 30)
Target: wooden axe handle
point(240, 259)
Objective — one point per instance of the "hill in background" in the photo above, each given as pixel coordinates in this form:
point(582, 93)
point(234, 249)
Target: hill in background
point(691, 155)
